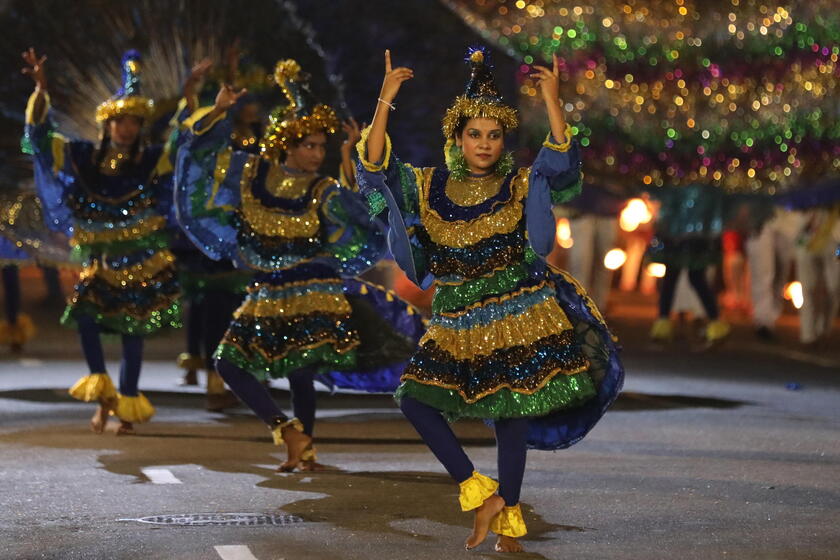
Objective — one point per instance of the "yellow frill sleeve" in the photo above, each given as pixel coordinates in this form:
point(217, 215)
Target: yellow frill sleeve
point(562, 147)
point(361, 148)
point(509, 522)
point(475, 490)
point(93, 387)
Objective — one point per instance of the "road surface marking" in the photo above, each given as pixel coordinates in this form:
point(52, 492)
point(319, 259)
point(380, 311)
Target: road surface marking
point(234, 552)
point(160, 476)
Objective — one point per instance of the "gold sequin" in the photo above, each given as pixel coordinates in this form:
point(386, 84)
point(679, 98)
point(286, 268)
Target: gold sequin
point(137, 273)
point(541, 320)
point(299, 305)
point(143, 228)
point(473, 190)
point(457, 233)
point(278, 222)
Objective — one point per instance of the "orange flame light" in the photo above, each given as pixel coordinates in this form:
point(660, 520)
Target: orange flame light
point(614, 259)
point(564, 233)
point(657, 270)
point(793, 292)
point(634, 214)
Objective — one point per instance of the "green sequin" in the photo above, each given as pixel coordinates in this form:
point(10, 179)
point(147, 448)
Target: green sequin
point(264, 369)
point(408, 184)
point(376, 202)
point(567, 193)
point(448, 298)
point(123, 323)
point(158, 240)
point(562, 392)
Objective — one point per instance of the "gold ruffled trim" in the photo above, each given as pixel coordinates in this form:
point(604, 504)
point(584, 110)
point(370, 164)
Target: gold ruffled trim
point(134, 274)
point(309, 454)
point(581, 291)
point(462, 234)
point(134, 409)
point(142, 228)
point(541, 320)
point(29, 113)
point(297, 305)
point(93, 387)
point(561, 147)
point(189, 361)
point(20, 333)
point(475, 490)
point(509, 522)
point(473, 190)
point(191, 122)
point(58, 141)
point(277, 431)
point(276, 222)
point(361, 148)
point(134, 105)
point(472, 108)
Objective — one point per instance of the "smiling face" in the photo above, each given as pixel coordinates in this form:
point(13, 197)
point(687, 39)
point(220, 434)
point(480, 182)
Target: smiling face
point(124, 130)
point(308, 155)
point(482, 141)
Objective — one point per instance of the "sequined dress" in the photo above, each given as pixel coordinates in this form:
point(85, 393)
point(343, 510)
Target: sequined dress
point(305, 237)
point(116, 217)
point(509, 336)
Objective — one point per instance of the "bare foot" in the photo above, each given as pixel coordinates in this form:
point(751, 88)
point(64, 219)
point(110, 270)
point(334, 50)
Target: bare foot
point(508, 544)
point(125, 429)
point(100, 417)
point(296, 444)
point(484, 515)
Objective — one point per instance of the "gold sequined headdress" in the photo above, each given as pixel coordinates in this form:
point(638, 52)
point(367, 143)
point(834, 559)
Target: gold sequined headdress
point(481, 99)
point(127, 100)
point(302, 116)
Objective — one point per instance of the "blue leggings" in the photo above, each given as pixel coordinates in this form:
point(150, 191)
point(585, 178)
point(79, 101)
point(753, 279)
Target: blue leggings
point(208, 317)
point(11, 289)
point(511, 448)
point(257, 396)
point(697, 278)
point(132, 354)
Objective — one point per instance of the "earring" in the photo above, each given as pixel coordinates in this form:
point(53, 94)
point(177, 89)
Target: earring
point(505, 164)
point(456, 162)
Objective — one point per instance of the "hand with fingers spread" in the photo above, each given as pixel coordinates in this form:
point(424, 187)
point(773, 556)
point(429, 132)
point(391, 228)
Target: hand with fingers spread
point(353, 131)
point(548, 80)
point(394, 77)
point(35, 68)
point(227, 97)
point(198, 72)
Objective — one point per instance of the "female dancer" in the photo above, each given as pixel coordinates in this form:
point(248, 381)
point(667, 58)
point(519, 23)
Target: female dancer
point(511, 340)
point(113, 200)
point(299, 232)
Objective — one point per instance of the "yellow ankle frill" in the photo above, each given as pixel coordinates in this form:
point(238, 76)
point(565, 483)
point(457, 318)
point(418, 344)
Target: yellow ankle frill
point(19, 333)
point(717, 330)
point(662, 330)
point(509, 522)
point(277, 430)
point(93, 387)
point(134, 409)
point(475, 490)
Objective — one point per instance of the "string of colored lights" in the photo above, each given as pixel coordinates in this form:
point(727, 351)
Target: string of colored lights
point(741, 94)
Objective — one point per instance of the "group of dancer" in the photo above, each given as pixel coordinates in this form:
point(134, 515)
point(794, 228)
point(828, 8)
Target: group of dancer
point(511, 340)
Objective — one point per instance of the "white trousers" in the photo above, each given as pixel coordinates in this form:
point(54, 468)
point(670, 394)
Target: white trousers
point(593, 237)
point(816, 317)
point(769, 254)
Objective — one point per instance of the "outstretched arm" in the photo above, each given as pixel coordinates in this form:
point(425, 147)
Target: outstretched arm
point(394, 78)
point(548, 80)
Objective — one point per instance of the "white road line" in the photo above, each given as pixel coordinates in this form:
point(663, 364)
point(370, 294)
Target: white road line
point(234, 552)
point(31, 362)
point(160, 476)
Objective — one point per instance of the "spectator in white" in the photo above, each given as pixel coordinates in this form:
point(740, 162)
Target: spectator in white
point(816, 264)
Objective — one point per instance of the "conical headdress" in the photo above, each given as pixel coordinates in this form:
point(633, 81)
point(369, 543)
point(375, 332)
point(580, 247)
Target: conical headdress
point(302, 116)
point(127, 100)
point(481, 99)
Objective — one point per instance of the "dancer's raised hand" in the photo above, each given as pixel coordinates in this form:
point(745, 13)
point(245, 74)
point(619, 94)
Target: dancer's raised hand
point(35, 67)
point(227, 97)
point(548, 79)
point(394, 77)
point(352, 130)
